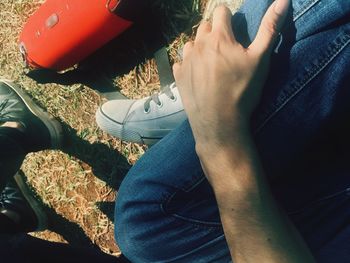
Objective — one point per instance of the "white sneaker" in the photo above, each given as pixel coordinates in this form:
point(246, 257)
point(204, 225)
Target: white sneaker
point(142, 121)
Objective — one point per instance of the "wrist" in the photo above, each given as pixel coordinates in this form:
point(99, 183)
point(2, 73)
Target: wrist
point(232, 166)
point(226, 137)
point(229, 146)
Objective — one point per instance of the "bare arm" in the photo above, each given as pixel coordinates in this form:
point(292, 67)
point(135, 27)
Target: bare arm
point(220, 83)
point(255, 228)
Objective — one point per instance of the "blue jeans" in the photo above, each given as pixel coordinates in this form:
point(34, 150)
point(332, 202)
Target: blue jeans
point(166, 210)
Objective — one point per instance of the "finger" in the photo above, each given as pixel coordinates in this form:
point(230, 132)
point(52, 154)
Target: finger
point(203, 29)
point(270, 27)
point(187, 49)
point(222, 21)
point(176, 70)
point(178, 80)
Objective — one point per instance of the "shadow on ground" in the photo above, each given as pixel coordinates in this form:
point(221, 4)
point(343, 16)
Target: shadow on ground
point(166, 20)
point(107, 164)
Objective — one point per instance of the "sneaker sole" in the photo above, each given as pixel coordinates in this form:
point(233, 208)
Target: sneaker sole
point(54, 127)
point(34, 204)
point(117, 130)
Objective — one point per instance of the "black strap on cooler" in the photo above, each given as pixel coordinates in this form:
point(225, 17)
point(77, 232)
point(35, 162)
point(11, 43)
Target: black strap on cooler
point(165, 72)
point(100, 83)
point(133, 10)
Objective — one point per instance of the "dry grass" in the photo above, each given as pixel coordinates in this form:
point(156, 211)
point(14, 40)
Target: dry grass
point(78, 183)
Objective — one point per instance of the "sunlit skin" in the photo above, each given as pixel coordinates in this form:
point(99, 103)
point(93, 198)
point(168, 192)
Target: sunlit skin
point(220, 83)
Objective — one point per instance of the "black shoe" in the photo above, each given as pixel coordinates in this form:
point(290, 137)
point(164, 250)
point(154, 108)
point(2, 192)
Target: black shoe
point(40, 129)
point(18, 204)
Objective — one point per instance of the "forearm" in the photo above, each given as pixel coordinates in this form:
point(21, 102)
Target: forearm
point(220, 83)
point(255, 228)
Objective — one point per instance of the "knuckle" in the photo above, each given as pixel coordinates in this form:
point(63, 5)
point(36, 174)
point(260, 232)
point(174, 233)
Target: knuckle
point(188, 46)
point(270, 26)
point(222, 10)
point(204, 24)
point(220, 14)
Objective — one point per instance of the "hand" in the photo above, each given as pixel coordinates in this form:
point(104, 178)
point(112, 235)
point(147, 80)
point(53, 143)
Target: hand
point(220, 81)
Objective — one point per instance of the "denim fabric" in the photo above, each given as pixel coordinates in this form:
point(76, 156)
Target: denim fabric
point(166, 210)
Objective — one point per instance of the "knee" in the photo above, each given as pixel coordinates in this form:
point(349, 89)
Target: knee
point(135, 210)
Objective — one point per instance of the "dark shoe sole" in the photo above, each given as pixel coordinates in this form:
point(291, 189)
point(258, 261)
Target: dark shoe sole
point(53, 126)
point(29, 195)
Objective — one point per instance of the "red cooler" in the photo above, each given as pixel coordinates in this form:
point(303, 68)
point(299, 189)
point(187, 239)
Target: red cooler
point(63, 32)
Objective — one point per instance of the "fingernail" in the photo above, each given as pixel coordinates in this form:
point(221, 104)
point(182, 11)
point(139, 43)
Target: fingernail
point(281, 6)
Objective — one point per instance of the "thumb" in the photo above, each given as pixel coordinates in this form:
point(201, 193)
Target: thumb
point(270, 27)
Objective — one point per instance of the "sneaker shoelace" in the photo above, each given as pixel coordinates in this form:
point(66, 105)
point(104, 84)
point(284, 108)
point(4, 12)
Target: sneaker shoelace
point(155, 97)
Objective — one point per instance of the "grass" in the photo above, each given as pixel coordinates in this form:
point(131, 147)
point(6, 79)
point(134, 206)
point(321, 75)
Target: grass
point(78, 183)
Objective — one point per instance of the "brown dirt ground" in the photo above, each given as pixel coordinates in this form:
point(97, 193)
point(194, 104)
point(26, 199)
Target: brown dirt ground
point(77, 184)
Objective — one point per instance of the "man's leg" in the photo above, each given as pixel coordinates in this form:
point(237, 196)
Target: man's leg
point(166, 211)
point(25, 128)
point(162, 198)
point(28, 216)
point(11, 154)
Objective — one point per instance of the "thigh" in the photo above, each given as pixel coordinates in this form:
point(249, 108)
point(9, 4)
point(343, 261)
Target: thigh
point(166, 211)
point(324, 223)
point(159, 213)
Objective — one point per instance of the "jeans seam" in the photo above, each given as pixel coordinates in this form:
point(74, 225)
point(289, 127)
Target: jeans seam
point(304, 9)
point(194, 222)
point(345, 191)
point(197, 223)
point(300, 83)
point(189, 186)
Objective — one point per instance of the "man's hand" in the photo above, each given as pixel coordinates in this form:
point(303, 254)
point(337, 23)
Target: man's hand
point(220, 84)
point(220, 81)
